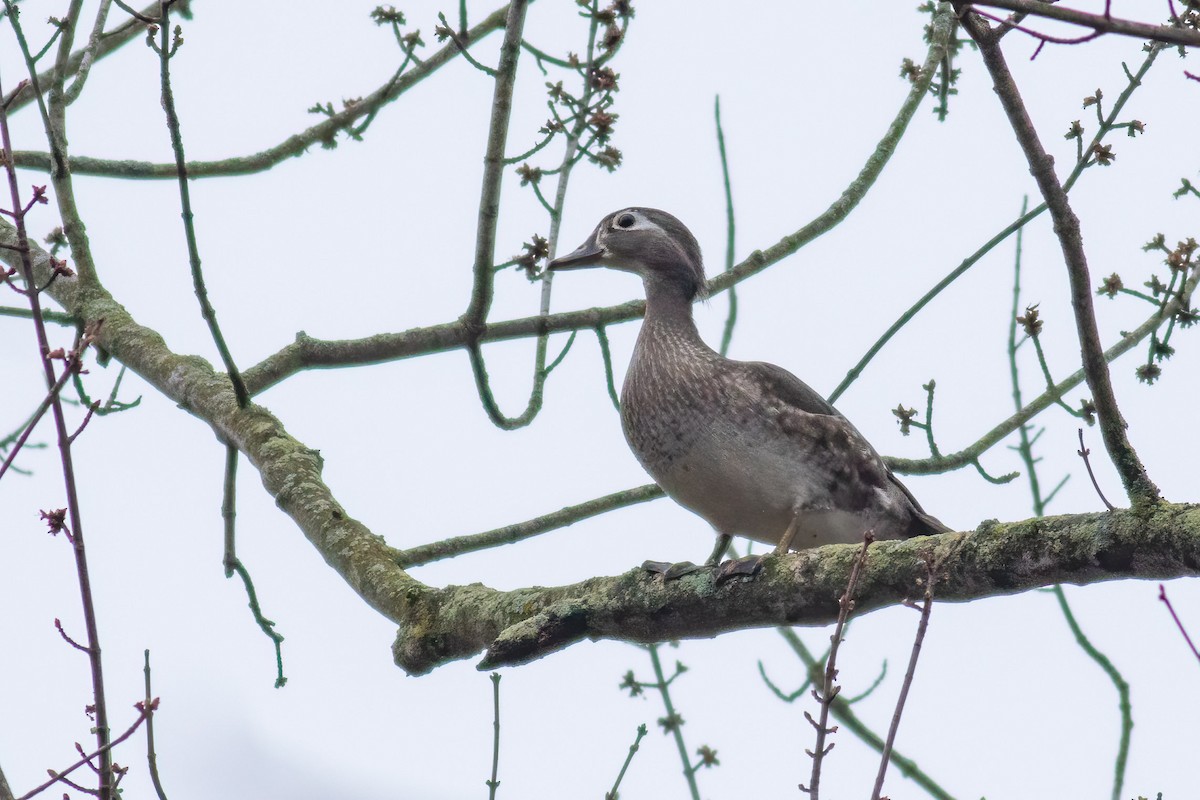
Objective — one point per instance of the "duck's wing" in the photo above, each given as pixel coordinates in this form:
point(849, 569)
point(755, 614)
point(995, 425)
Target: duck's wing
point(777, 382)
point(782, 387)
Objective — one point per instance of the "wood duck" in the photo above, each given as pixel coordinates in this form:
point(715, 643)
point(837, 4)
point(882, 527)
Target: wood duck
point(745, 444)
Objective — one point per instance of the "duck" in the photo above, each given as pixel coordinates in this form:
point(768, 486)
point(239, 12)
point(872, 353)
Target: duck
point(746, 445)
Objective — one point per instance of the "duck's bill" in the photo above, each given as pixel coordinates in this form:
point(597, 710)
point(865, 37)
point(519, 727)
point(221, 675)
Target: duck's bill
point(586, 255)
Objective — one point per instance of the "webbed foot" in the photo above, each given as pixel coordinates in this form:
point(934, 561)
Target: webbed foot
point(747, 566)
point(671, 572)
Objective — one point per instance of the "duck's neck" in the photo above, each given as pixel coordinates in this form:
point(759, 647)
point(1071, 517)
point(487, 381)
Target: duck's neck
point(669, 304)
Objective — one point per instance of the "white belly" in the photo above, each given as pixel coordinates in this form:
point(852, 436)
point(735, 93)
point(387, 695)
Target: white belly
point(754, 492)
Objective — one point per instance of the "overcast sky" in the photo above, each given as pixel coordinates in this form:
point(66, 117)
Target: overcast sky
point(378, 236)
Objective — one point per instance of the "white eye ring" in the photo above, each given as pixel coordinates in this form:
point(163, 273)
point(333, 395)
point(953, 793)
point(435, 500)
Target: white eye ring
point(625, 220)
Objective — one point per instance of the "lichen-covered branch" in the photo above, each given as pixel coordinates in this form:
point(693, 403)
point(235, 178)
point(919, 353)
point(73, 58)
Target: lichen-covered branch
point(803, 588)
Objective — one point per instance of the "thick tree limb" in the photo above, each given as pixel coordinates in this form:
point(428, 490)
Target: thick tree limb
point(802, 588)
point(1138, 486)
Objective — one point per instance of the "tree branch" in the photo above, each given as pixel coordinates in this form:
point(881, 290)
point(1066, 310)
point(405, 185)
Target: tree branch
point(109, 41)
point(802, 588)
point(307, 352)
point(441, 625)
point(324, 131)
point(1100, 23)
point(1138, 486)
point(458, 545)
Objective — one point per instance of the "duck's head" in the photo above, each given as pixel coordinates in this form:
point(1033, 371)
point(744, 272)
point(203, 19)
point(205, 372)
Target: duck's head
point(645, 241)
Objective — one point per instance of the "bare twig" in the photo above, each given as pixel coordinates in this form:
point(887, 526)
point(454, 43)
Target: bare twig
point(56, 776)
point(730, 233)
point(1083, 453)
point(102, 732)
point(1162, 595)
point(846, 717)
point(324, 131)
point(109, 41)
point(72, 363)
point(969, 454)
point(494, 782)
point(459, 545)
point(672, 723)
point(926, 608)
point(611, 794)
point(151, 756)
point(1118, 681)
point(829, 688)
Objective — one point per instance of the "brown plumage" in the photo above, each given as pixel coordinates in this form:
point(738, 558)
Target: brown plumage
point(745, 444)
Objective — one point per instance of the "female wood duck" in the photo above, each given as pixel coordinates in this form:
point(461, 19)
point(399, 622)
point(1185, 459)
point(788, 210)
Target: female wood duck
point(745, 444)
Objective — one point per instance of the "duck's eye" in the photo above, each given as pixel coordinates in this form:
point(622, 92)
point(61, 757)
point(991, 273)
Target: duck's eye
point(625, 221)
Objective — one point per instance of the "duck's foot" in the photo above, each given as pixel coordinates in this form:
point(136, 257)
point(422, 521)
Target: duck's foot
point(745, 566)
point(671, 572)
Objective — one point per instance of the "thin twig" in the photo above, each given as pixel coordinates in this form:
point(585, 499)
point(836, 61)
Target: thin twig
point(814, 667)
point(166, 50)
point(56, 776)
point(494, 783)
point(57, 317)
point(99, 698)
point(1119, 683)
point(606, 358)
point(1162, 595)
point(922, 627)
point(110, 41)
point(829, 688)
point(294, 145)
point(68, 369)
point(672, 723)
point(1083, 453)
point(730, 233)
point(611, 794)
point(151, 756)
point(460, 545)
point(1135, 80)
